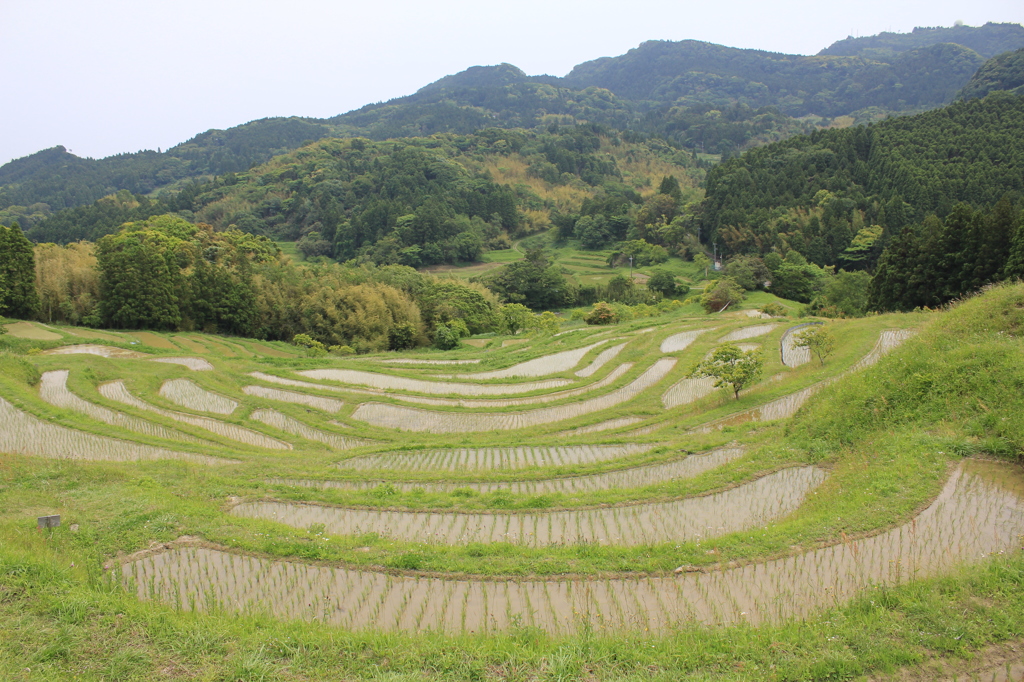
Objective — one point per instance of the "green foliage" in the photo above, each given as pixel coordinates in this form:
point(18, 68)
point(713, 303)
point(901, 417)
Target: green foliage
point(448, 334)
point(721, 293)
point(602, 313)
point(17, 368)
point(794, 278)
point(313, 348)
point(546, 323)
point(772, 308)
point(402, 336)
point(845, 295)
point(749, 272)
point(534, 282)
point(987, 40)
point(1003, 72)
point(825, 194)
point(642, 253)
point(515, 317)
point(444, 300)
point(819, 340)
point(938, 260)
point(18, 296)
point(662, 282)
point(731, 367)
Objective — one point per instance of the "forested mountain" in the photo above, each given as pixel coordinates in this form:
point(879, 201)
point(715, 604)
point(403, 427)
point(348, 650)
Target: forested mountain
point(414, 201)
point(988, 40)
point(59, 179)
point(697, 96)
point(691, 73)
point(816, 193)
point(1005, 72)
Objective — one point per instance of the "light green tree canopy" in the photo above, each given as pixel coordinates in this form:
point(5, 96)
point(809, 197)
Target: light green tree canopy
point(731, 367)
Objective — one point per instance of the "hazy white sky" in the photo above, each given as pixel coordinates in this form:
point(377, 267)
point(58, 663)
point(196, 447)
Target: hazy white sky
point(107, 76)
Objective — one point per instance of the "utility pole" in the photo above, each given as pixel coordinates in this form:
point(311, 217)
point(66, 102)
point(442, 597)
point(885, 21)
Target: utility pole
point(630, 268)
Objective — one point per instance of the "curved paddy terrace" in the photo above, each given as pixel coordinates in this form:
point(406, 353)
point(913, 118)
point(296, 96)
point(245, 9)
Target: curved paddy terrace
point(563, 494)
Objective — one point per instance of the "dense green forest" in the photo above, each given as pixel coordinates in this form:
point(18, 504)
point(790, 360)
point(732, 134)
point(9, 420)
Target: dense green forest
point(415, 201)
point(991, 40)
point(1004, 72)
point(817, 193)
point(695, 96)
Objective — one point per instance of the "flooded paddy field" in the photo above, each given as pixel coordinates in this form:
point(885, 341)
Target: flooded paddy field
point(464, 459)
point(636, 477)
point(980, 512)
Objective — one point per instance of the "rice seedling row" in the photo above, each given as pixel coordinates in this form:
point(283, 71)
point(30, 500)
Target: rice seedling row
point(636, 477)
point(297, 428)
point(681, 341)
point(54, 390)
point(686, 391)
point(195, 364)
point(976, 515)
point(607, 425)
point(317, 402)
point(512, 402)
point(747, 333)
point(538, 367)
point(468, 459)
point(391, 382)
point(188, 394)
point(117, 391)
point(602, 359)
point(414, 361)
point(756, 503)
point(414, 419)
point(23, 434)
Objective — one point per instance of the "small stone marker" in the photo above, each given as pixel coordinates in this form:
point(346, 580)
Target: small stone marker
point(48, 521)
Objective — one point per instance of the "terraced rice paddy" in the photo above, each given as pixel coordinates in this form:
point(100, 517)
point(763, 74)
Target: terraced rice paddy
point(793, 355)
point(602, 359)
point(315, 401)
point(194, 364)
point(54, 390)
point(757, 503)
point(412, 419)
point(426, 504)
point(609, 425)
point(154, 340)
point(390, 382)
point(611, 378)
point(748, 333)
point(117, 391)
point(976, 515)
point(486, 459)
point(636, 477)
point(681, 341)
point(95, 349)
point(539, 367)
point(23, 434)
point(187, 394)
point(297, 428)
point(415, 361)
point(27, 330)
point(686, 391)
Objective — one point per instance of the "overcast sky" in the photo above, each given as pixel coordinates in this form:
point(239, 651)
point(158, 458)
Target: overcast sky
point(107, 76)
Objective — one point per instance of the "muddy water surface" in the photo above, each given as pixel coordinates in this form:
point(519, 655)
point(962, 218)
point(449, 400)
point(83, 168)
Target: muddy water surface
point(979, 512)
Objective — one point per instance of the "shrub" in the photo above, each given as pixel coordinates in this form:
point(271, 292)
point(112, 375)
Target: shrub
point(602, 313)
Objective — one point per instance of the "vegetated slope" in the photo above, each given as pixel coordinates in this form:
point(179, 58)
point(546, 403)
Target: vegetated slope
point(691, 72)
point(988, 40)
point(817, 193)
point(60, 179)
point(1005, 72)
point(706, 97)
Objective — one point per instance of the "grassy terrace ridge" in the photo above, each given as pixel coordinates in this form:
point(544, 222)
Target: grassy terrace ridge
point(888, 437)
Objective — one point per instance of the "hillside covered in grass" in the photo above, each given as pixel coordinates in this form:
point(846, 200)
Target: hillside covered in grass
point(106, 595)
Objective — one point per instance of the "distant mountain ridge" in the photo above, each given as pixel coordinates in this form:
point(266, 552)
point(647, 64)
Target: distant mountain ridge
point(695, 95)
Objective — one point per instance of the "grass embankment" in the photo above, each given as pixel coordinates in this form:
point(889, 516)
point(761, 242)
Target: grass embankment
point(888, 434)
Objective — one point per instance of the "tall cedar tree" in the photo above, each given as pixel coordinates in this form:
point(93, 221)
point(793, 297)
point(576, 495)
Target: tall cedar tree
point(18, 297)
